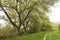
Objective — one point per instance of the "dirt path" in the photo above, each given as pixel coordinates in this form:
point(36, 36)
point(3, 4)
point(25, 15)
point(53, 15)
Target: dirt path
point(45, 36)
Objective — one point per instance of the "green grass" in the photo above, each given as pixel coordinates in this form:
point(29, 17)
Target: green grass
point(34, 36)
point(53, 36)
point(37, 36)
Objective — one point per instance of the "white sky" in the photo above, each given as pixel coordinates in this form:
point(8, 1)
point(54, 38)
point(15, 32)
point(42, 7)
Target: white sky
point(1, 20)
point(54, 15)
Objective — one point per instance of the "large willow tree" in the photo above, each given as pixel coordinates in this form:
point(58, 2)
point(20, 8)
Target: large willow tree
point(23, 13)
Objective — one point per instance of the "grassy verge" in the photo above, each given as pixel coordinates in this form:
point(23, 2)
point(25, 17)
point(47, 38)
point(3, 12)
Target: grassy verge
point(34, 36)
point(53, 36)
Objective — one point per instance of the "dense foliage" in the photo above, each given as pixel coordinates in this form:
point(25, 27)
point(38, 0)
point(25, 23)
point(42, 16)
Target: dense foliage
point(27, 15)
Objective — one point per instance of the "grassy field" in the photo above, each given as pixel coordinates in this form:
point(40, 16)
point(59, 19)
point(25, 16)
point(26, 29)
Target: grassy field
point(34, 36)
point(37, 36)
point(53, 36)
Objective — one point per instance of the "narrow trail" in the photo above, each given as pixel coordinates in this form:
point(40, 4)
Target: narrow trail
point(45, 36)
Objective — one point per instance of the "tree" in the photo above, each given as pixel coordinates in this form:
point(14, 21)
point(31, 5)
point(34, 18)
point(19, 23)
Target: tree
point(20, 12)
point(46, 25)
point(58, 26)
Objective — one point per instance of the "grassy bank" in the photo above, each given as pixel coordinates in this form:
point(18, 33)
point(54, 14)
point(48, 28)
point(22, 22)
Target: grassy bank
point(34, 36)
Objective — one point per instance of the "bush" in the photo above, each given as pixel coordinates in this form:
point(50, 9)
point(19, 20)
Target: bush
point(6, 32)
point(33, 30)
point(46, 26)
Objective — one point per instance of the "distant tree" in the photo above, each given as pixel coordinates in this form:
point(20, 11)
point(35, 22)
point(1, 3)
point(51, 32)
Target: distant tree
point(22, 12)
point(46, 26)
point(59, 26)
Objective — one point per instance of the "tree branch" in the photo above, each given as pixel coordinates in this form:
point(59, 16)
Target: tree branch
point(31, 8)
point(27, 16)
point(9, 17)
point(18, 14)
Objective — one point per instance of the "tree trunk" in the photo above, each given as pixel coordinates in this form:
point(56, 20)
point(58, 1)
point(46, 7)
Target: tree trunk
point(17, 32)
point(24, 28)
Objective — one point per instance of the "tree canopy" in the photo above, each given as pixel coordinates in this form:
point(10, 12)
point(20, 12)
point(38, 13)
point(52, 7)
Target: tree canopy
point(26, 13)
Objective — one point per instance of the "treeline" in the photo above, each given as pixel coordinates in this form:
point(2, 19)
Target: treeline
point(25, 16)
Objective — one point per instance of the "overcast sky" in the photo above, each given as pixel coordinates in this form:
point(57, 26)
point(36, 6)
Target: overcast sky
point(54, 15)
point(1, 20)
